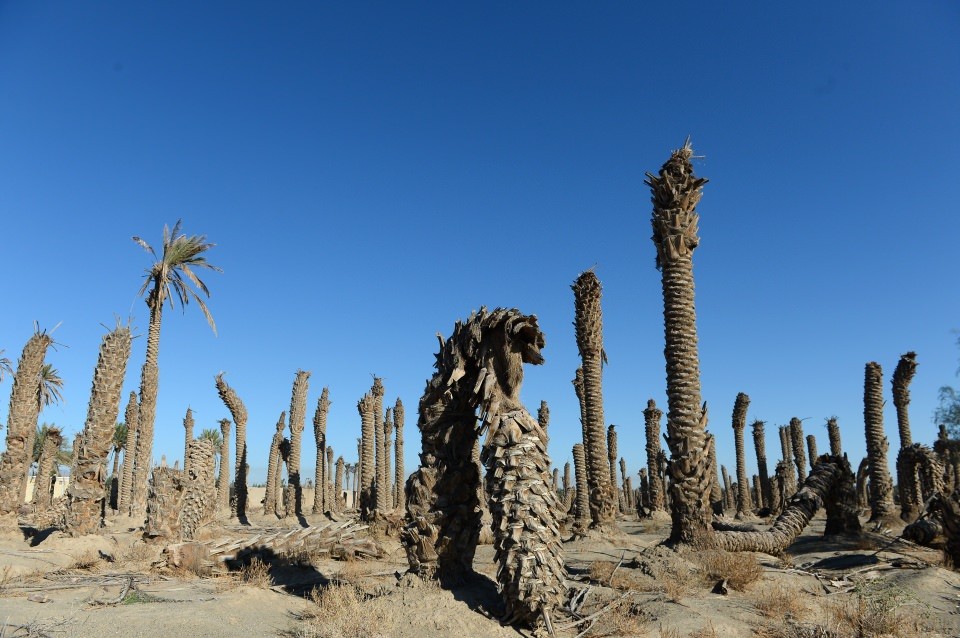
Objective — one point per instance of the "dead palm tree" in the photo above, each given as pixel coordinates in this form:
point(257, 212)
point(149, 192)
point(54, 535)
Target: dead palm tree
point(48, 461)
point(223, 489)
point(271, 495)
point(187, 437)
point(49, 392)
point(86, 492)
point(298, 415)
point(588, 320)
point(676, 193)
point(239, 413)
point(167, 281)
point(379, 453)
point(320, 504)
point(126, 482)
point(399, 476)
point(655, 491)
point(740, 406)
point(22, 422)
point(367, 462)
point(833, 434)
point(881, 485)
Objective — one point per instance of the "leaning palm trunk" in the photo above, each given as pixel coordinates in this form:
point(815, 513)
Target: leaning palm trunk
point(589, 329)
point(86, 496)
point(881, 486)
point(367, 462)
point(831, 484)
point(223, 491)
point(42, 488)
point(21, 422)
point(298, 413)
point(320, 504)
point(833, 433)
point(126, 482)
point(676, 193)
point(399, 475)
point(652, 421)
point(273, 468)
point(902, 376)
point(740, 406)
point(239, 413)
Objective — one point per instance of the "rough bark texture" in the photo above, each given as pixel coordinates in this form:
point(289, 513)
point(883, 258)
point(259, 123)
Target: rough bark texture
point(22, 422)
point(223, 484)
point(812, 449)
point(187, 437)
point(380, 454)
point(624, 492)
point(921, 476)
point(298, 415)
point(149, 388)
point(797, 446)
point(588, 320)
point(320, 504)
point(739, 418)
point(43, 486)
point(676, 193)
point(830, 483)
point(543, 418)
point(582, 503)
point(388, 490)
point(881, 485)
point(716, 493)
point(164, 501)
point(273, 468)
point(863, 476)
point(833, 433)
point(199, 504)
point(567, 488)
point(480, 368)
point(367, 462)
point(652, 417)
point(239, 413)
point(727, 499)
point(902, 376)
point(612, 453)
point(131, 418)
point(399, 476)
point(337, 500)
point(86, 494)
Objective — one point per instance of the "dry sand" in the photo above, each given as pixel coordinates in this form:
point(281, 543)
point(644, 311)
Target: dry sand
point(104, 585)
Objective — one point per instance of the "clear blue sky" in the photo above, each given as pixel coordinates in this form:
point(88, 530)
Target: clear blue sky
point(371, 172)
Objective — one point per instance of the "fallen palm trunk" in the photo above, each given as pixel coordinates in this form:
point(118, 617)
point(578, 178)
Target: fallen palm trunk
point(830, 482)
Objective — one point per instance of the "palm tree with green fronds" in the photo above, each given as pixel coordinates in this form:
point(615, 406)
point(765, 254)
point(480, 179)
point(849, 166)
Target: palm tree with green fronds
point(216, 439)
point(50, 386)
point(171, 278)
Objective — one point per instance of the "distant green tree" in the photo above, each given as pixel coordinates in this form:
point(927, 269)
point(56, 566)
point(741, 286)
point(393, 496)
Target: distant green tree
point(948, 412)
point(213, 435)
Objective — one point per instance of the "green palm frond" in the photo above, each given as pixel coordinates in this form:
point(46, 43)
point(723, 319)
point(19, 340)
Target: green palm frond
point(119, 436)
point(212, 435)
point(170, 276)
point(49, 386)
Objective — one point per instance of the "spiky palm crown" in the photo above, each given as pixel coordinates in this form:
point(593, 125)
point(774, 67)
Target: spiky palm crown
point(676, 193)
point(167, 279)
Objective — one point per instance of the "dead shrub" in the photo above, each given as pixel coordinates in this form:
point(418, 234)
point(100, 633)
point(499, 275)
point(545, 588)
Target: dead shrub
point(339, 611)
point(880, 609)
point(195, 560)
point(740, 570)
point(86, 560)
point(256, 573)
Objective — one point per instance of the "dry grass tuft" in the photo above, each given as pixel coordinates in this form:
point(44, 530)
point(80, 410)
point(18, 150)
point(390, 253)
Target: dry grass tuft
point(85, 561)
point(339, 612)
point(780, 602)
point(740, 570)
point(195, 561)
point(257, 574)
point(138, 554)
point(878, 609)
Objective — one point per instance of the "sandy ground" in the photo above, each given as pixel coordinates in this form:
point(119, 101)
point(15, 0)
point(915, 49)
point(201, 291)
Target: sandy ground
point(104, 585)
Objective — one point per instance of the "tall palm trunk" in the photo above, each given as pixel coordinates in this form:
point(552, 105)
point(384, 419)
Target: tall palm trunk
point(239, 413)
point(902, 376)
point(149, 387)
point(881, 485)
point(86, 494)
point(833, 433)
point(760, 445)
point(626, 495)
point(367, 462)
point(329, 486)
point(320, 504)
point(796, 444)
point(338, 486)
point(788, 480)
point(379, 494)
point(812, 450)
point(676, 193)
point(42, 488)
point(188, 437)
point(567, 487)
point(298, 414)
point(273, 468)
point(22, 422)
point(612, 453)
point(716, 494)
point(399, 475)
point(740, 406)
point(388, 490)
point(223, 493)
point(130, 416)
point(652, 417)
point(588, 320)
